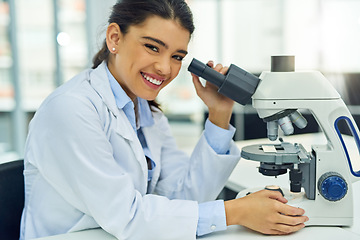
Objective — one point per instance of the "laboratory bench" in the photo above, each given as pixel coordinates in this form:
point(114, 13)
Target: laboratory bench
point(246, 175)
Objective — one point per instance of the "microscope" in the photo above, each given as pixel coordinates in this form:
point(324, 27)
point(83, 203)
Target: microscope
point(320, 180)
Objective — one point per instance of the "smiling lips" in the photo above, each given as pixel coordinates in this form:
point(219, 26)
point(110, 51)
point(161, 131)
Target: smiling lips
point(152, 81)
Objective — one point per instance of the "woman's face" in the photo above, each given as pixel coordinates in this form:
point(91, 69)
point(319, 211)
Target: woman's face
point(148, 56)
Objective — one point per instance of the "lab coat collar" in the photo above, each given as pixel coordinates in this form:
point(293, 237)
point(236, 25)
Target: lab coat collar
point(99, 81)
point(122, 100)
point(146, 118)
point(103, 88)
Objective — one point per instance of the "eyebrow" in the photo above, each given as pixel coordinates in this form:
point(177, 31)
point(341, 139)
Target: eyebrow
point(163, 44)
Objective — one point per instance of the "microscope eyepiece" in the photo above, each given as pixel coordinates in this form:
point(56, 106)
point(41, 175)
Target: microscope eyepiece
point(202, 70)
point(196, 67)
point(236, 84)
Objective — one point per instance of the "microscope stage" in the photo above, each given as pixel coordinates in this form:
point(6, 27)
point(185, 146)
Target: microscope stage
point(283, 153)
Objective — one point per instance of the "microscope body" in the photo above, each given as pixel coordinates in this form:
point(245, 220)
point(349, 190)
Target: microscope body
point(328, 173)
point(320, 180)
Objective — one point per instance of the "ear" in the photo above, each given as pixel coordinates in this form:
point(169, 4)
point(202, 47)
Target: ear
point(113, 37)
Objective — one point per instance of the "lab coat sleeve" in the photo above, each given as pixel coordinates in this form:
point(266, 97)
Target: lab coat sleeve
point(199, 177)
point(68, 145)
point(219, 139)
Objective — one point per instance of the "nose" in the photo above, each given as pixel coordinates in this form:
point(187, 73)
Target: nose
point(163, 66)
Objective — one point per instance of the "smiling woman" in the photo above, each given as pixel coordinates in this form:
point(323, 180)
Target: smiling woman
point(146, 58)
point(128, 14)
point(100, 153)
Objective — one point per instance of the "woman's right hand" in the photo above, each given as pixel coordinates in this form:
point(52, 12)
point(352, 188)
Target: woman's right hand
point(265, 212)
point(220, 107)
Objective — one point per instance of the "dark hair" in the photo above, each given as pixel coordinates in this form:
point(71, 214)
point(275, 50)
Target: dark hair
point(133, 12)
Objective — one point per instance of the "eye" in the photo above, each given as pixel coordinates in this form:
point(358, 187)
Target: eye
point(178, 58)
point(152, 47)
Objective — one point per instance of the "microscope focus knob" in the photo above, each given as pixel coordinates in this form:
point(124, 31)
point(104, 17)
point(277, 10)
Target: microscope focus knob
point(332, 186)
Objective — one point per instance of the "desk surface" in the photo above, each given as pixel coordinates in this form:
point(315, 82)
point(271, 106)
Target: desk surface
point(232, 233)
point(245, 175)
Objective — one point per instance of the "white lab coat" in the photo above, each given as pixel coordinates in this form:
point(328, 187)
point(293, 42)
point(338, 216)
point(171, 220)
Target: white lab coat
point(85, 168)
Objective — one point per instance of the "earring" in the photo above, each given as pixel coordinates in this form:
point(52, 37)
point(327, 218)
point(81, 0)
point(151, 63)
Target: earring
point(113, 49)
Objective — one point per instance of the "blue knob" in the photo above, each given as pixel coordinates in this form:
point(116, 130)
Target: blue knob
point(332, 186)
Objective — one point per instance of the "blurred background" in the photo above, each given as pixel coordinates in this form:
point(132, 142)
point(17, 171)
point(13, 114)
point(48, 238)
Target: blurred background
point(43, 43)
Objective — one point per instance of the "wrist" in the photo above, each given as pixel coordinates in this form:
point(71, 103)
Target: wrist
point(237, 212)
point(231, 213)
point(220, 118)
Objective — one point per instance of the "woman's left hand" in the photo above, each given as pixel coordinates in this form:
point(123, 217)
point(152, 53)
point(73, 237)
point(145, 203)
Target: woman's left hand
point(220, 107)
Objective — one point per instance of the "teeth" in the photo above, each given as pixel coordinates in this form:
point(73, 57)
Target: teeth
point(152, 80)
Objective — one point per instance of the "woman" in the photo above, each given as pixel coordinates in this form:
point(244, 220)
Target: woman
point(100, 154)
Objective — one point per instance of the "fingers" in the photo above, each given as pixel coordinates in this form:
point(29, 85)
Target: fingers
point(199, 87)
point(210, 64)
point(219, 67)
point(276, 196)
point(197, 84)
point(289, 219)
point(291, 211)
point(266, 212)
point(282, 229)
point(286, 224)
point(282, 207)
point(292, 220)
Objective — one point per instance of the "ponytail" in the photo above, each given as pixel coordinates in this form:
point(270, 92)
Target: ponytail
point(102, 55)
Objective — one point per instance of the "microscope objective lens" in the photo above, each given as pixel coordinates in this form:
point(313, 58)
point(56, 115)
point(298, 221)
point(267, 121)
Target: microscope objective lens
point(298, 120)
point(272, 130)
point(286, 125)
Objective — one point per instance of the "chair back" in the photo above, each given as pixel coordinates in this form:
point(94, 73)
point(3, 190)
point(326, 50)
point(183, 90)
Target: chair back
point(11, 199)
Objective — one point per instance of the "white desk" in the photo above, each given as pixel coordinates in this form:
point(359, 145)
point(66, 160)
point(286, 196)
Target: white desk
point(232, 233)
point(246, 175)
